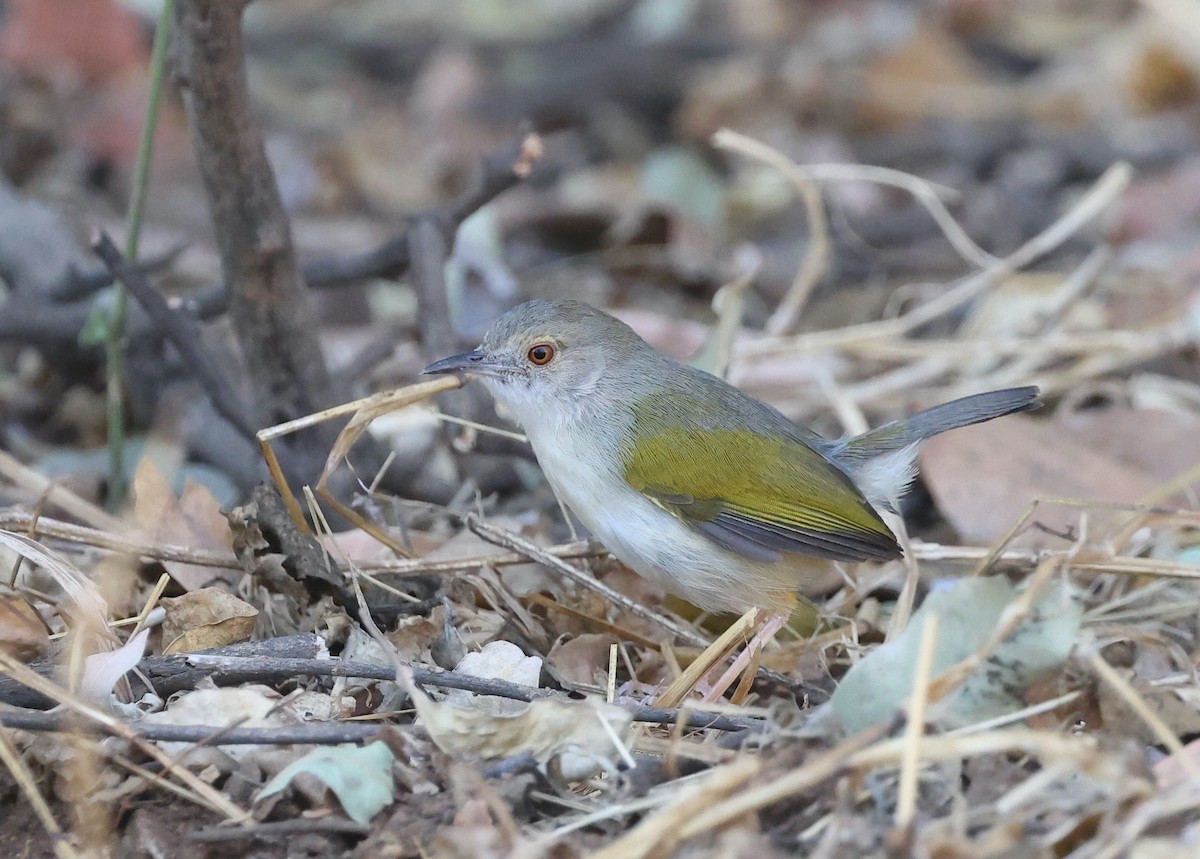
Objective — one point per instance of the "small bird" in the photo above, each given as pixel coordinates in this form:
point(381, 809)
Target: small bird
point(695, 485)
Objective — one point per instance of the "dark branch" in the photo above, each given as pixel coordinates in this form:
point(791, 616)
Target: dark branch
point(314, 733)
point(505, 168)
point(184, 333)
point(274, 829)
point(231, 666)
point(269, 305)
point(76, 285)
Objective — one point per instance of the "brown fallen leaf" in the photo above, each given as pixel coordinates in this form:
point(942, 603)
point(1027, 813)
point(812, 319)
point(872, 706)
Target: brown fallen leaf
point(930, 74)
point(194, 519)
point(204, 619)
point(1176, 707)
point(1172, 770)
point(984, 477)
point(91, 39)
point(23, 633)
point(580, 736)
point(1160, 444)
point(582, 660)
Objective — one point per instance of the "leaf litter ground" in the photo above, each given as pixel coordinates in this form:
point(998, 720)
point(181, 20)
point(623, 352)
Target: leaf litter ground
point(1043, 704)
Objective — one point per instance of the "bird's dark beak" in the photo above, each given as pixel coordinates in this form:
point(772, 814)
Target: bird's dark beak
point(468, 362)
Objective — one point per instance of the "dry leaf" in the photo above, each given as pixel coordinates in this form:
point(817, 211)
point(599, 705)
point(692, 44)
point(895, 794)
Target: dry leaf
point(579, 736)
point(91, 39)
point(250, 706)
point(194, 519)
point(582, 660)
point(360, 777)
point(88, 609)
point(1171, 770)
point(205, 619)
point(23, 633)
point(912, 82)
point(1176, 707)
point(1157, 443)
point(984, 477)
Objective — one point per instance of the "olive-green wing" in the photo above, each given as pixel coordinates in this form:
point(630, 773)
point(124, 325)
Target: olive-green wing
point(758, 496)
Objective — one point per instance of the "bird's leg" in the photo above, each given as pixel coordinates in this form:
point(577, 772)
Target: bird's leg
point(761, 639)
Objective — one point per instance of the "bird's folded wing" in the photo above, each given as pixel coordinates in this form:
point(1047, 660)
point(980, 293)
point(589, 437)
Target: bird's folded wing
point(760, 497)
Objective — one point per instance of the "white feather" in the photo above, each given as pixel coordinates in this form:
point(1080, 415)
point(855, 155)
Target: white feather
point(884, 479)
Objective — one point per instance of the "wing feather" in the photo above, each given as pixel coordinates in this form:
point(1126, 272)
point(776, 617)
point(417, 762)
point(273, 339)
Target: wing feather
point(761, 497)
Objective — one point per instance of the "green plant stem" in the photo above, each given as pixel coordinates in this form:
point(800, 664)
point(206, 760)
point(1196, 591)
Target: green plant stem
point(115, 341)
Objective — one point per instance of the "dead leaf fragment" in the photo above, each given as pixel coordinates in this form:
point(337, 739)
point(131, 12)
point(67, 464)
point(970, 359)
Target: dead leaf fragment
point(582, 660)
point(23, 633)
point(250, 706)
point(361, 778)
point(984, 477)
point(578, 736)
point(968, 610)
point(194, 519)
point(204, 619)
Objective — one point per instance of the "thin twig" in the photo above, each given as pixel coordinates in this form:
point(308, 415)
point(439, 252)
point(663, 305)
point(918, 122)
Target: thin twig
point(1098, 198)
point(171, 674)
point(926, 193)
point(534, 552)
point(129, 544)
point(275, 829)
point(308, 733)
point(500, 170)
point(20, 773)
point(183, 332)
point(914, 731)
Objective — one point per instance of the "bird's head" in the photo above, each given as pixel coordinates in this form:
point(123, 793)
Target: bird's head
point(550, 358)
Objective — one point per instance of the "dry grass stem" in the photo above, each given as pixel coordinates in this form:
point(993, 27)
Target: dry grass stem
point(664, 829)
point(914, 729)
point(362, 412)
point(823, 767)
point(816, 255)
point(39, 486)
point(902, 613)
point(1100, 196)
point(123, 542)
point(11, 759)
point(710, 657)
point(926, 193)
point(1144, 712)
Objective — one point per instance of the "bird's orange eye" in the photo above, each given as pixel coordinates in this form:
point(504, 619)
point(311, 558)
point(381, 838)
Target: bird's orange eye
point(541, 354)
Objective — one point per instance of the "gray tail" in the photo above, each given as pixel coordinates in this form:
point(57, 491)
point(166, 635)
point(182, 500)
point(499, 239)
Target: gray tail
point(958, 413)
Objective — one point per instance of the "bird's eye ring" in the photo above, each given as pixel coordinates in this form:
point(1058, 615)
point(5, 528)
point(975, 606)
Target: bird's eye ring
point(541, 354)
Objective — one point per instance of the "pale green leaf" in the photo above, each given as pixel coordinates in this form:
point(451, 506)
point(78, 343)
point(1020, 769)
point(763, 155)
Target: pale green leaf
point(361, 778)
point(968, 611)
